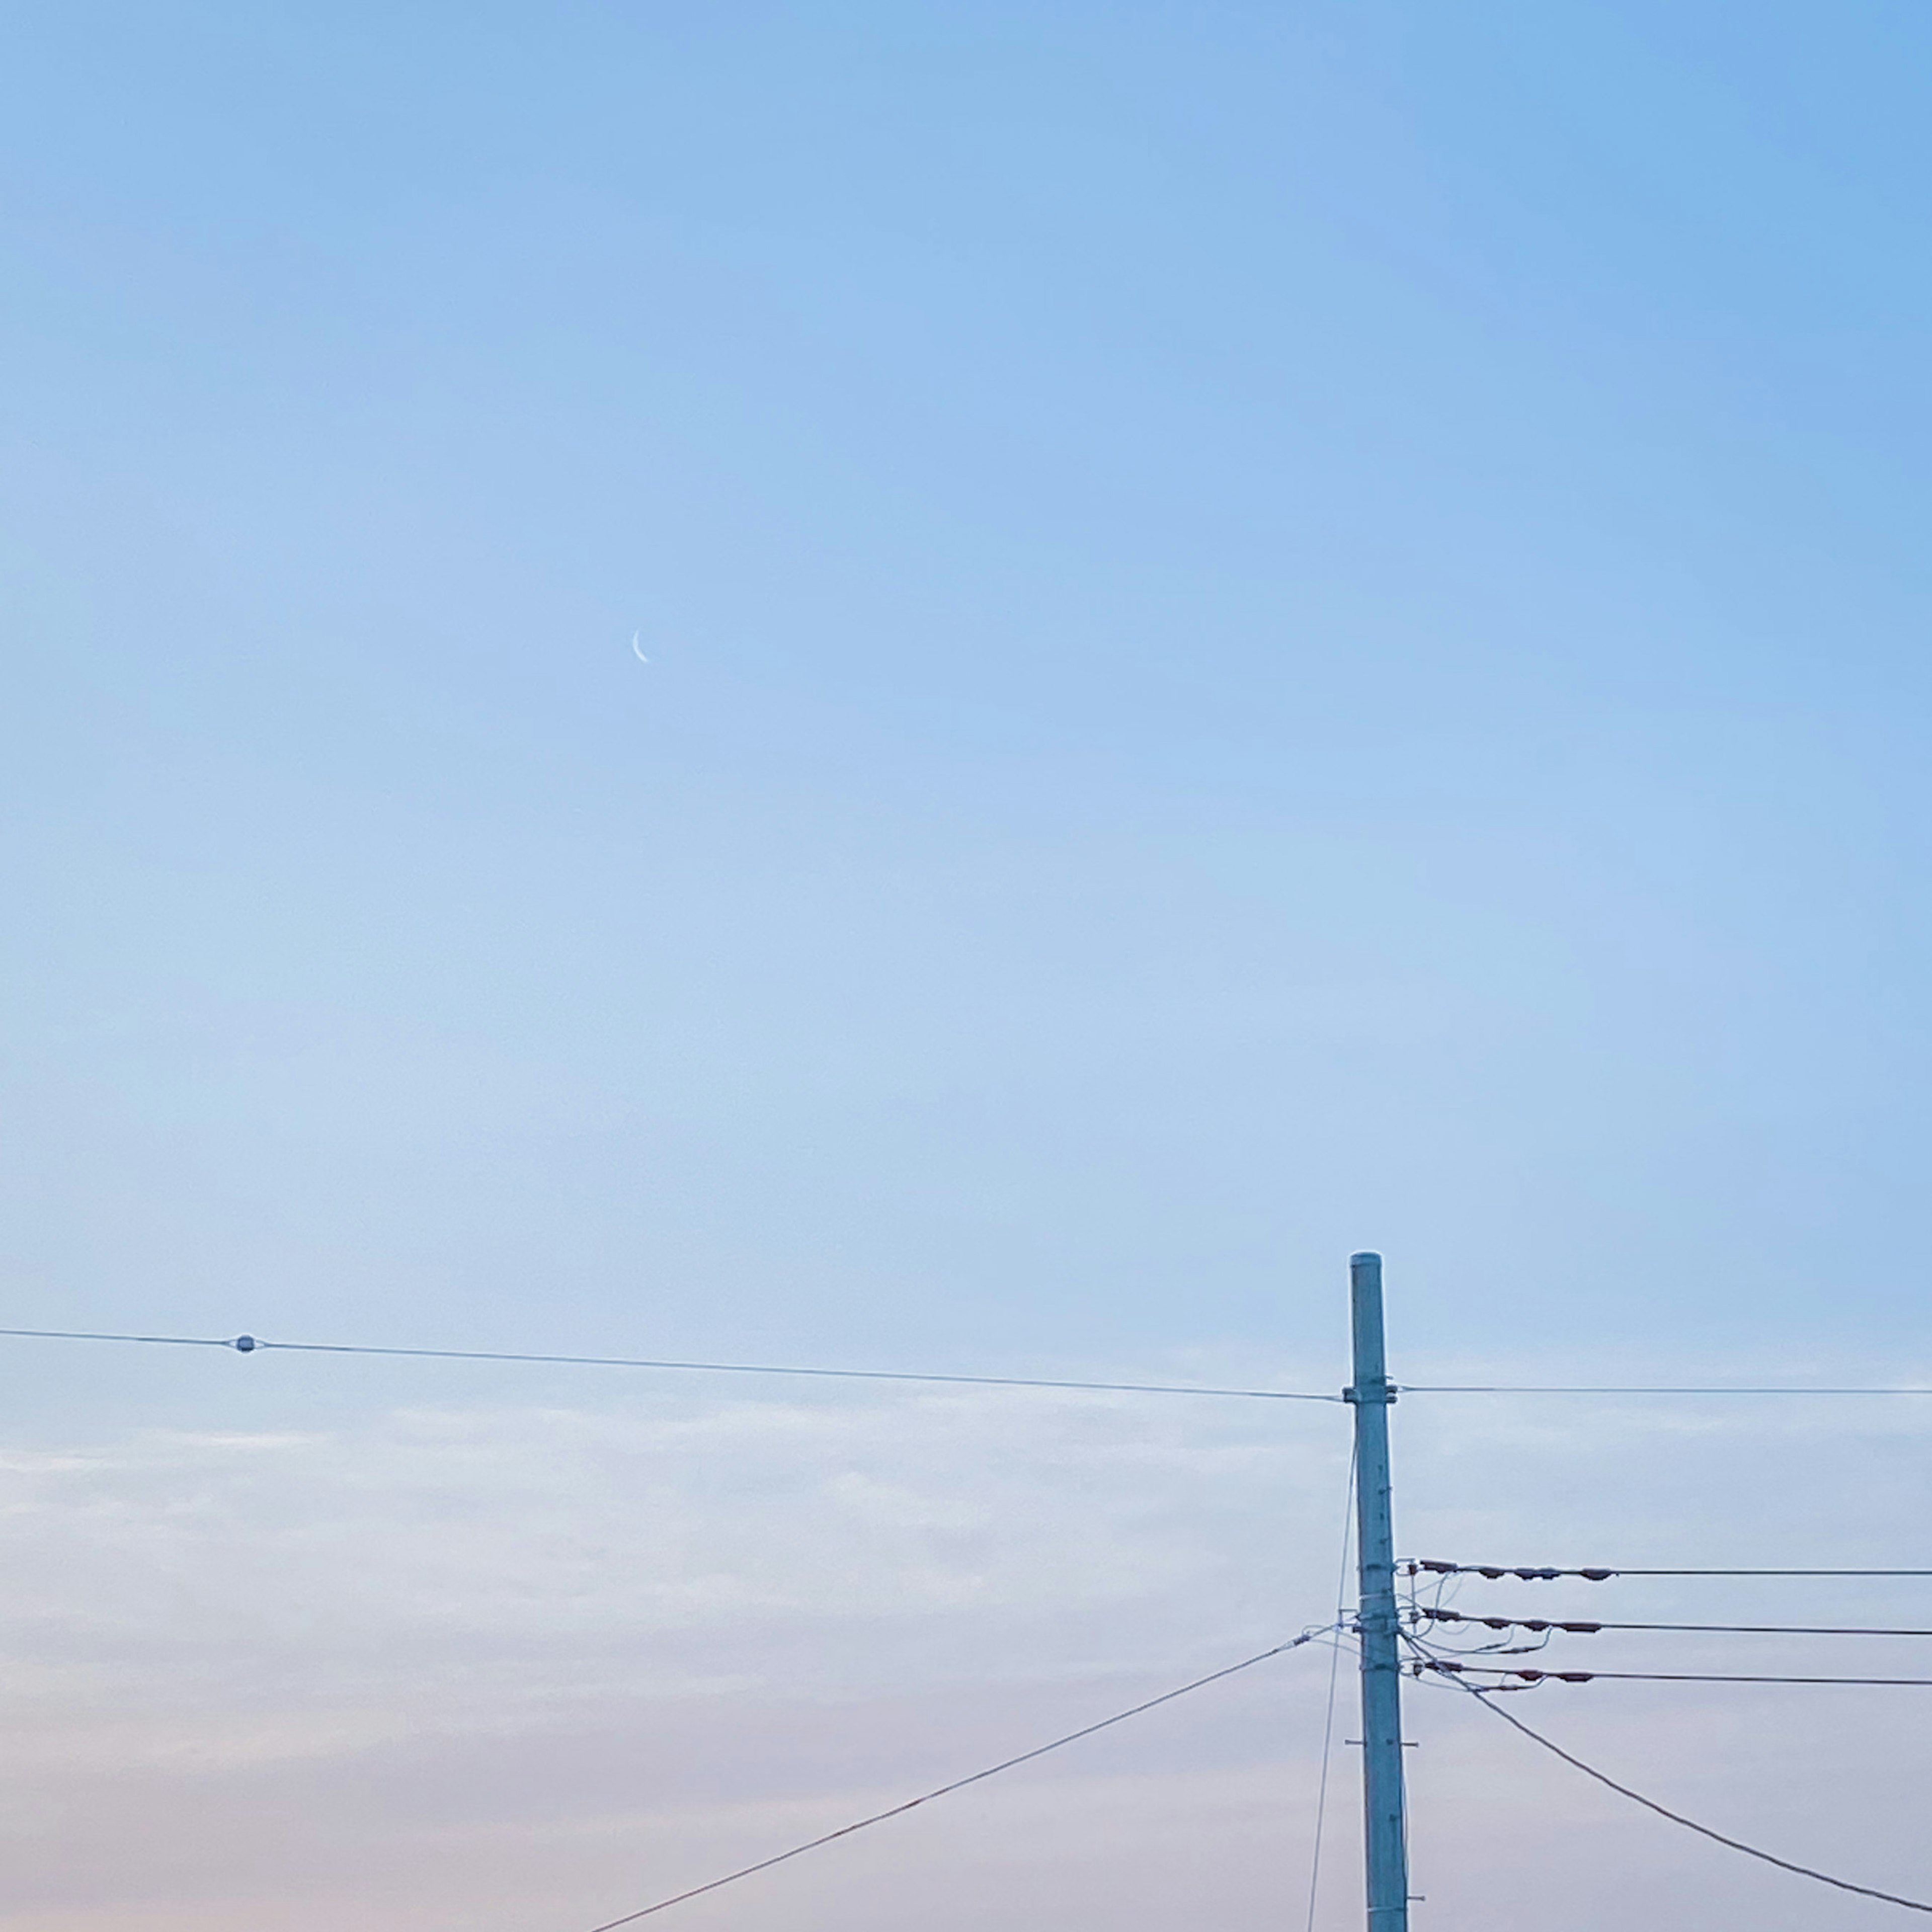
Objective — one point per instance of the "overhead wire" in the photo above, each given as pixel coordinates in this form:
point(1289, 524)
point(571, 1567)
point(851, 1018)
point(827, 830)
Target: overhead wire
point(1485, 1699)
point(159, 1341)
point(1672, 1388)
point(1590, 1626)
point(1334, 1673)
point(959, 1784)
point(247, 1345)
point(1452, 1668)
point(1533, 1573)
point(1439, 1670)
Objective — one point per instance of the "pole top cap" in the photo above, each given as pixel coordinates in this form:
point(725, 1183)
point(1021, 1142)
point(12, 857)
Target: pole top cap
point(1366, 1255)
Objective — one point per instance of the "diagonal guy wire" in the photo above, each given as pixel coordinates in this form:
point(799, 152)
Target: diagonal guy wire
point(958, 1784)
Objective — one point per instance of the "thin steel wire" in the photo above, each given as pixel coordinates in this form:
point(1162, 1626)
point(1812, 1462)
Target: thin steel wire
point(1590, 1627)
point(1531, 1573)
point(1595, 1388)
point(89, 1335)
point(1445, 1666)
point(958, 1784)
point(1334, 1673)
point(1485, 1699)
point(249, 1344)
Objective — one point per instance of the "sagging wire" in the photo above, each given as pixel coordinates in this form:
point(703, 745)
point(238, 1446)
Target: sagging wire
point(1485, 1695)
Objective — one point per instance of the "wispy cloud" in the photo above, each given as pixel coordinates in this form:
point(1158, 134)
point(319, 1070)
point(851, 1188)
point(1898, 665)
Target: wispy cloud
point(516, 1667)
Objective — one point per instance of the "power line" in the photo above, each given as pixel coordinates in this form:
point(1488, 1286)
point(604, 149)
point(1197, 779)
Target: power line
point(1454, 1668)
point(1589, 1628)
point(1531, 1573)
point(162, 1341)
point(1334, 1672)
point(249, 1344)
point(1545, 1388)
point(1677, 1818)
point(958, 1784)
point(1419, 1566)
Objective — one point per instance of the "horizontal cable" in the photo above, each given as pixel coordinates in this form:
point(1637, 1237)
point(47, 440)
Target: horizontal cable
point(249, 1344)
point(1587, 1628)
point(958, 1784)
point(161, 1341)
point(1532, 1573)
point(1489, 1703)
point(1532, 1676)
point(1593, 1388)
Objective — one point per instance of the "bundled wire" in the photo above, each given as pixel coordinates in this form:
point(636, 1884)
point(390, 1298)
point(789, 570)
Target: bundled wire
point(1586, 1626)
point(1533, 1573)
point(1454, 1667)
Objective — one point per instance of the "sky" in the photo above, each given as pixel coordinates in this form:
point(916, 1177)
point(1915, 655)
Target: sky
point(1269, 630)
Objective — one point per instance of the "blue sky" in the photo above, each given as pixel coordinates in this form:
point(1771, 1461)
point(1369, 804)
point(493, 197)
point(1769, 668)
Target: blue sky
point(1271, 630)
point(1268, 633)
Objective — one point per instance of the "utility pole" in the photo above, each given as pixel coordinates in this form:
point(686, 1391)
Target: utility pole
point(1385, 1832)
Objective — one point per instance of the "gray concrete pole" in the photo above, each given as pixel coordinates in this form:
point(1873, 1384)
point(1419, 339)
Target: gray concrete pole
point(1385, 1827)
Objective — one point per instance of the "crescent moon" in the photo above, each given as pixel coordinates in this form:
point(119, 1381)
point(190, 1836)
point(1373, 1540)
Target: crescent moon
point(634, 651)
